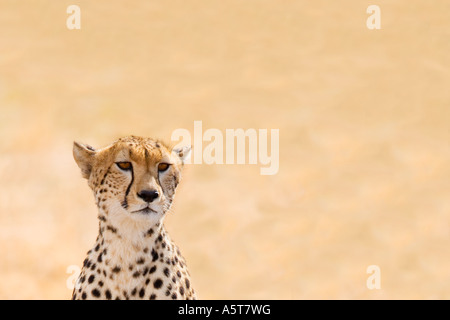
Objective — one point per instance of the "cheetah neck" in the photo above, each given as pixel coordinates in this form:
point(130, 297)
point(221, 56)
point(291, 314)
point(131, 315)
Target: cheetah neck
point(126, 256)
point(135, 261)
point(132, 237)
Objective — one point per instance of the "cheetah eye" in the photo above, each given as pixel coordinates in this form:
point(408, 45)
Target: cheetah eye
point(124, 165)
point(163, 167)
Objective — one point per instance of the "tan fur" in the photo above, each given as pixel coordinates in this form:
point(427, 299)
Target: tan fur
point(133, 256)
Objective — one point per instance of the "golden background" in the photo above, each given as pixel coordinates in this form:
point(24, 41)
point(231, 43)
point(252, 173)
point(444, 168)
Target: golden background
point(364, 140)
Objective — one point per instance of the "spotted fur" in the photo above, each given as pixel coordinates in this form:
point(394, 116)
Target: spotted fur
point(133, 256)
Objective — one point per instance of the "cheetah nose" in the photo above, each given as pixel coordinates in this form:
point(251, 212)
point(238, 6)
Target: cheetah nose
point(148, 195)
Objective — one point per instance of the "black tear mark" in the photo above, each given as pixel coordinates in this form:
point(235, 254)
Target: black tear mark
point(159, 182)
point(125, 201)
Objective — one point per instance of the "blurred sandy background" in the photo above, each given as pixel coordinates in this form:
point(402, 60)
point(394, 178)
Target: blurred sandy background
point(364, 140)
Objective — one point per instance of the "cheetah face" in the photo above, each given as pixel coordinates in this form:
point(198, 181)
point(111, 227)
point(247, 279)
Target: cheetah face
point(134, 178)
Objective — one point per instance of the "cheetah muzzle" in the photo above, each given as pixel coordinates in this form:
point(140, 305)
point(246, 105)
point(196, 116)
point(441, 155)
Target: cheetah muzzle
point(134, 182)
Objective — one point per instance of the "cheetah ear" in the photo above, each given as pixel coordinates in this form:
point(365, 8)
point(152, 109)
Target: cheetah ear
point(84, 157)
point(184, 153)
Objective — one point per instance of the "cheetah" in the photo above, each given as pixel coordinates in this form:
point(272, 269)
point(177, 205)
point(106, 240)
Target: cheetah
point(133, 181)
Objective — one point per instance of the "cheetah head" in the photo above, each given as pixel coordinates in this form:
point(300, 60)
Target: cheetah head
point(133, 179)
